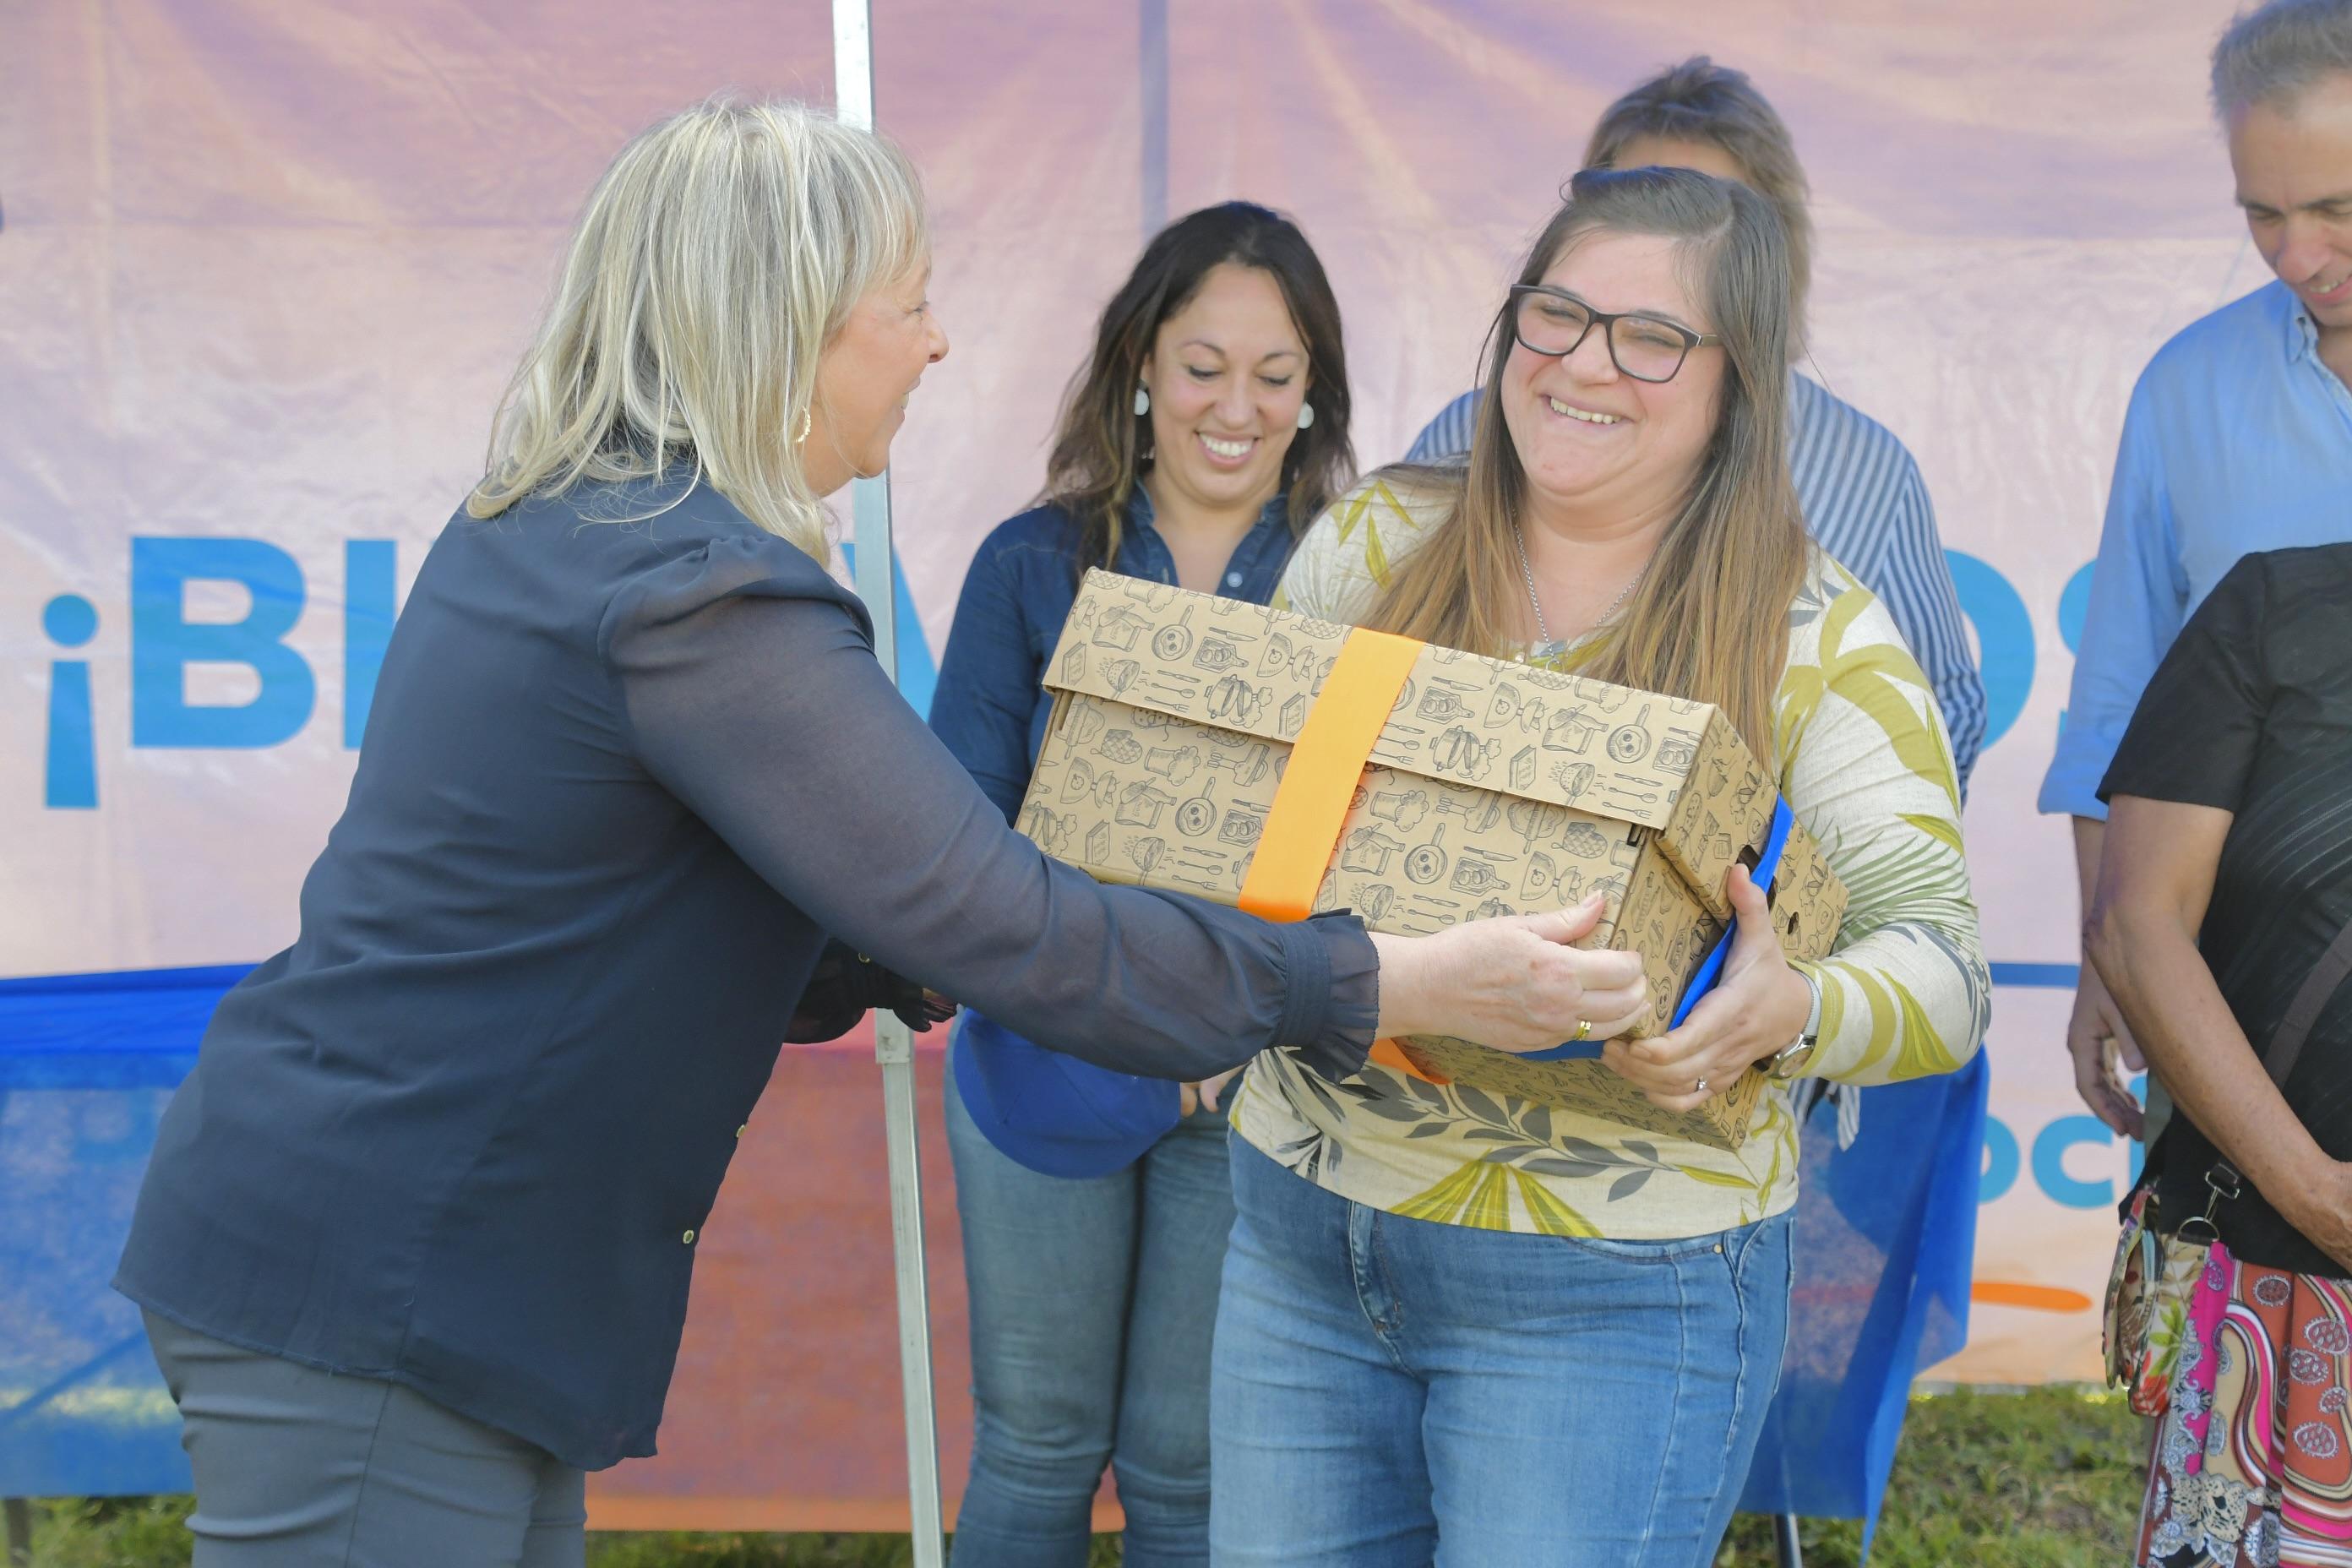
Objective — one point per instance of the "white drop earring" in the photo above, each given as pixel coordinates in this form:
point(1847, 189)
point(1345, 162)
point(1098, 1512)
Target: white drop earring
point(1306, 415)
point(807, 418)
point(1142, 401)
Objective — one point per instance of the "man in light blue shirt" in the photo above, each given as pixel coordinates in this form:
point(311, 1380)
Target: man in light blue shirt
point(2237, 440)
point(1857, 485)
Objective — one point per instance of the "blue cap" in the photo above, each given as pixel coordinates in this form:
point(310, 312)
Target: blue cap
point(1054, 1113)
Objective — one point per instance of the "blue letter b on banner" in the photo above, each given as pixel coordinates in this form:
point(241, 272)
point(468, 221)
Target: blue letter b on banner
point(163, 643)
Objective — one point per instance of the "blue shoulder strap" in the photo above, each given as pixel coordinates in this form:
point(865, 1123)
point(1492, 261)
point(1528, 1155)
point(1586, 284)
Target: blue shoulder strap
point(1710, 971)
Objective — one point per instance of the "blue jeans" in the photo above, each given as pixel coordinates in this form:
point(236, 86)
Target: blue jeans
point(1092, 1304)
point(1391, 1393)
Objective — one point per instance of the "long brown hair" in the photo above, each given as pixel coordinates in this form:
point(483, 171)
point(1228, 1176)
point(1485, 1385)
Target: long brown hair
point(1101, 448)
point(1710, 620)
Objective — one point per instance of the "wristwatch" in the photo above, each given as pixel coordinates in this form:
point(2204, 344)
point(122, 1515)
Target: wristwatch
point(1790, 1059)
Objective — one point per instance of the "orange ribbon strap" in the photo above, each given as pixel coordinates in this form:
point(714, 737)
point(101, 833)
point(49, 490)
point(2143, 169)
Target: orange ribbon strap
point(1388, 1054)
point(1302, 826)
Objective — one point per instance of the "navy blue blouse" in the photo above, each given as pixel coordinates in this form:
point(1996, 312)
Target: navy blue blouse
point(621, 781)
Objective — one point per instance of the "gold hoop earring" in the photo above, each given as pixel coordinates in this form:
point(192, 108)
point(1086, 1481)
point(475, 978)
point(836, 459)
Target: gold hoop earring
point(807, 418)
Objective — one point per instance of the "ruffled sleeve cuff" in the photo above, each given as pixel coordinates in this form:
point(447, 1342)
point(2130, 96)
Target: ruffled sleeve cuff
point(1332, 1006)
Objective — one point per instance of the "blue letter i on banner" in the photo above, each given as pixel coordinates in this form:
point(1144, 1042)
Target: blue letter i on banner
point(71, 776)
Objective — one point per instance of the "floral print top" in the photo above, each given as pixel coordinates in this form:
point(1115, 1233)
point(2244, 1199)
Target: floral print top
point(1864, 765)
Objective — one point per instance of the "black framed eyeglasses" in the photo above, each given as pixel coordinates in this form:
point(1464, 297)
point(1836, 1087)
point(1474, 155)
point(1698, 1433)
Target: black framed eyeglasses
point(1552, 321)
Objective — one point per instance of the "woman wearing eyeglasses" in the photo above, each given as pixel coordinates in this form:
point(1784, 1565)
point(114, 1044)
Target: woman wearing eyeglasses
point(1461, 1325)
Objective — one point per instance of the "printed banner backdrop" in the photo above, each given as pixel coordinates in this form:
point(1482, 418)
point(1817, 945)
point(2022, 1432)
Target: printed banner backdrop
point(264, 270)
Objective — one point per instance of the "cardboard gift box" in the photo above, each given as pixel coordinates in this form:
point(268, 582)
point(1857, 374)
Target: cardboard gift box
point(1284, 764)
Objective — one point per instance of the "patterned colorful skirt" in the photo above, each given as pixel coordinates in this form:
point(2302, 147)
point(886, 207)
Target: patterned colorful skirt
point(2253, 1466)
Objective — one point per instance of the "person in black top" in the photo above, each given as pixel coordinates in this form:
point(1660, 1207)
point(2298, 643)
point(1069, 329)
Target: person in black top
point(2227, 877)
point(416, 1238)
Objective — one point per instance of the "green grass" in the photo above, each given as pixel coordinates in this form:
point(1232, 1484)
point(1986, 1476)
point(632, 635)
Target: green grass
point(2049, 1478)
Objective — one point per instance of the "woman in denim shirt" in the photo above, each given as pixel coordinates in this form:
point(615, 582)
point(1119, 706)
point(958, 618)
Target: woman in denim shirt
point(1209, 427)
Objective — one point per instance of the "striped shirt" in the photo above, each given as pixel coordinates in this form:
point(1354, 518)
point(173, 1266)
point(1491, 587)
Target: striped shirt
point(1866, 505)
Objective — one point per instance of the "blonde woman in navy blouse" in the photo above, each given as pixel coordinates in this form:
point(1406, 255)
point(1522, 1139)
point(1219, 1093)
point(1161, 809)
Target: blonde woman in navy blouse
point(415, 1244)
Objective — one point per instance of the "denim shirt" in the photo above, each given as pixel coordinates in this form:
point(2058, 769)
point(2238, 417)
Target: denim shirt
point(991, 707)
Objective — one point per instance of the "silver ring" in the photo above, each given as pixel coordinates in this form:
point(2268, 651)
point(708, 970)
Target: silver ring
point(1700, 1088)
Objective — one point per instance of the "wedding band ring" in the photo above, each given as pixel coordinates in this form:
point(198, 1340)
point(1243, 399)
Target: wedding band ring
point(1700, 1088)
point(1584, 1028)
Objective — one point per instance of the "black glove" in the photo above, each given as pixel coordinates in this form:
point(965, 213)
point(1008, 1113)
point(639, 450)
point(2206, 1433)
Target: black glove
point(846, 985)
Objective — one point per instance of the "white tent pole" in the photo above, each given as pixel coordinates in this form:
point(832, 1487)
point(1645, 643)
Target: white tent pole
point(894, 1044)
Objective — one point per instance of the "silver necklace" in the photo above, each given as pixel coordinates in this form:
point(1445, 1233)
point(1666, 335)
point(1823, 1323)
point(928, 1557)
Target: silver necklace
point(1535, 604)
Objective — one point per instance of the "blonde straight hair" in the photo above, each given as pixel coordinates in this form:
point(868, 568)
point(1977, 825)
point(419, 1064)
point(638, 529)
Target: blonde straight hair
point(1710, 620)
point(713, 262)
